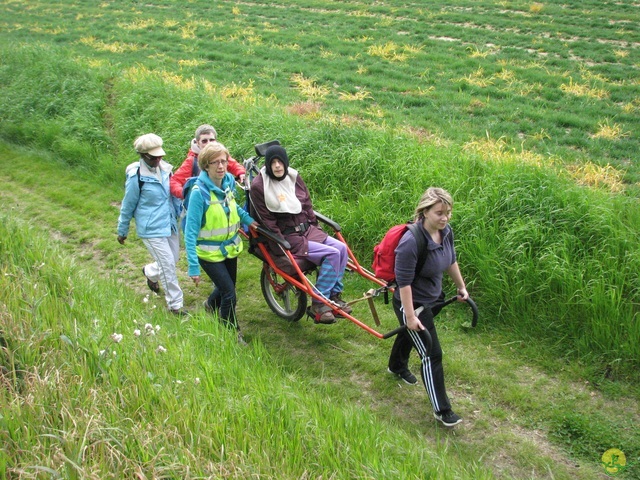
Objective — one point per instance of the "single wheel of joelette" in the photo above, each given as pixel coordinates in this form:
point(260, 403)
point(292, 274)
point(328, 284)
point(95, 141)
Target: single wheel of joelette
point(283, 299)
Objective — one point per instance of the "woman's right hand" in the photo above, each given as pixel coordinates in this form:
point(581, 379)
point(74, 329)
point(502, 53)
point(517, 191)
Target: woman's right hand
point(414, 323)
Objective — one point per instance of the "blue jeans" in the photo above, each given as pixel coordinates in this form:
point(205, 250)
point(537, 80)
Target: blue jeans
point(223, 297)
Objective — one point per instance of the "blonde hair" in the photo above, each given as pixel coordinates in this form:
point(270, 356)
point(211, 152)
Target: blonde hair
point(209, 152)
point(429, 198)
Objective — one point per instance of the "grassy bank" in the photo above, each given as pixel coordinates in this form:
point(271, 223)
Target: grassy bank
point(527, 113)
point(556, 423)
point(546, 258)
point(169, 399)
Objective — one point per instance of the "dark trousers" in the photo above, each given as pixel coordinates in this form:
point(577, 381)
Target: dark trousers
point(431, 361)
point(223, 297)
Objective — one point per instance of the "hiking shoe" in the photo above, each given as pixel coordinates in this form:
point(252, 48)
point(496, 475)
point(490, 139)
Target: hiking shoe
point(344, 306)
point(153, 286)
point(180, 312)
point(406, 376)
point(447, 418)
point(322, 314)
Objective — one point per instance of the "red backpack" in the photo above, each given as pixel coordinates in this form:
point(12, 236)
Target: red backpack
point(384, 257)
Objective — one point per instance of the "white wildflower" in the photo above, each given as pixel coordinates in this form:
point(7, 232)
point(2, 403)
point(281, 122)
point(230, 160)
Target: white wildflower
point(117, 337)
point(160, 349)
point(197, 380)
point(157, 328)
point(136, 332)
point(146, 299)
point(148, 326)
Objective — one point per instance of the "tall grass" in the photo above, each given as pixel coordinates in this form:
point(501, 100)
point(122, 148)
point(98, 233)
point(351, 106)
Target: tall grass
point(550, 259)
point(167, 399)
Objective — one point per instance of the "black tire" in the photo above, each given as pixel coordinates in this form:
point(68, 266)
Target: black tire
point(290, 303)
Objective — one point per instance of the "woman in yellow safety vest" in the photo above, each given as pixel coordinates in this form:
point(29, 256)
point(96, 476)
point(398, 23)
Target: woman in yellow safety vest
point(211, 235)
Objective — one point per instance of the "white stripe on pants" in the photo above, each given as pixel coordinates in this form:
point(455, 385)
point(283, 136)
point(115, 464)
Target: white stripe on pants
point(166, 252)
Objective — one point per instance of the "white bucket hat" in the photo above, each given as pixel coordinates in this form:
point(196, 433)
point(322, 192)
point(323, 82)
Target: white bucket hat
point(149, 143)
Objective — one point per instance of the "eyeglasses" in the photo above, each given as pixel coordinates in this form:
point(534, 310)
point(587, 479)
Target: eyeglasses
point(207, 140)
point(218, 162)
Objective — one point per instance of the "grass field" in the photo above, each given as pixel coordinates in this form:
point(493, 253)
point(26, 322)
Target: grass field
point(527, 112)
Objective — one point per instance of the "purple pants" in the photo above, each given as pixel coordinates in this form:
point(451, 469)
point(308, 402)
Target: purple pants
point(332, 257)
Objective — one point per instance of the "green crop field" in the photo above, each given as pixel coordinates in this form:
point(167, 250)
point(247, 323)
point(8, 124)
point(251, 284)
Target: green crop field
point(555, 80)
point(527, 112)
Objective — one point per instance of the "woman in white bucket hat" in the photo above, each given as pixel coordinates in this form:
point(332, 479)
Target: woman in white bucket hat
point(147, 199)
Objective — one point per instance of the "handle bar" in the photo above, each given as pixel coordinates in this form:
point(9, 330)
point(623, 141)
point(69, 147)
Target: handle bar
point(469, 301)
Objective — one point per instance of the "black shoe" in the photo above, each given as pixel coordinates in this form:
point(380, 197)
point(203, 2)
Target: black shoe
point(406, 376)
point(153, 286)
point(180, 312)
point(447, 418)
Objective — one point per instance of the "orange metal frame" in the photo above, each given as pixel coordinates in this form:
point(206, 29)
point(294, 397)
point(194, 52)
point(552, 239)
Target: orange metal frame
point(302, 282)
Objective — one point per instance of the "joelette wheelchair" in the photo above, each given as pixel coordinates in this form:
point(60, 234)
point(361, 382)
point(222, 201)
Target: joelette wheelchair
point(285, 280)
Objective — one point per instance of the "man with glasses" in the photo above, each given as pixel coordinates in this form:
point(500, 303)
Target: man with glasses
point(205, 134)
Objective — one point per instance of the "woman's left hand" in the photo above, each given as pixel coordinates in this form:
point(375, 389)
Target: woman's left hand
point(196, 279)
point(462, 294)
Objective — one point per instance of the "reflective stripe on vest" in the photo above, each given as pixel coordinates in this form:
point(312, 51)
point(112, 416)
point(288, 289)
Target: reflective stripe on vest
point(211, 246)
point(218, 232)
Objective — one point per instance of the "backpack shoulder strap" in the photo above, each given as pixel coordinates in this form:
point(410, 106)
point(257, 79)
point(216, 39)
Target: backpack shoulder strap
point(195, 169)
point(204, 190)
point(206, 196)
point(140, 182)
point(421, 244)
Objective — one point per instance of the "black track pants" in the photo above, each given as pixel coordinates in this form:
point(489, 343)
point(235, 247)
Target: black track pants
point(431, 369)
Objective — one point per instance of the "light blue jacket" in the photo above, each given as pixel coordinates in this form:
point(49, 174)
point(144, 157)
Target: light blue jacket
point(197, 208)
point(149, 202)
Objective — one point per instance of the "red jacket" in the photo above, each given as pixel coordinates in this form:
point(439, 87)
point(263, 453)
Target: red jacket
point(186, 170)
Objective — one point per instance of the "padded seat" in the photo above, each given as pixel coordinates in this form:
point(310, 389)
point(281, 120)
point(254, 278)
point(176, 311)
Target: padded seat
point(281, 261)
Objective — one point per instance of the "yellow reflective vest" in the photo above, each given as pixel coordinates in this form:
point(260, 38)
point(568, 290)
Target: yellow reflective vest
point(218, 238)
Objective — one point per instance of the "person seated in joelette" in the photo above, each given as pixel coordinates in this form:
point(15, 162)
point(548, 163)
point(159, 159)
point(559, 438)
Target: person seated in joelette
point(282, 204)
